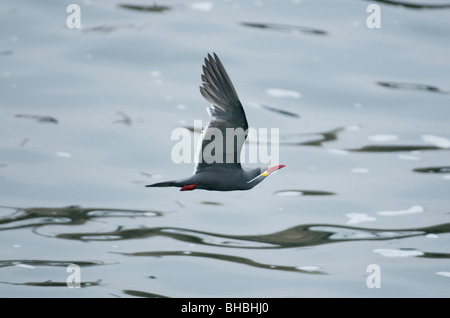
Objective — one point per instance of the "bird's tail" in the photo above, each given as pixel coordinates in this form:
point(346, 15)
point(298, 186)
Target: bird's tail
point(164, 184)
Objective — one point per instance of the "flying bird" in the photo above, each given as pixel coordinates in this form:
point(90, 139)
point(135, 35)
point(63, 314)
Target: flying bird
point(219, 168)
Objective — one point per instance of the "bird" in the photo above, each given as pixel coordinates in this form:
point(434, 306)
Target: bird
point(219, 169)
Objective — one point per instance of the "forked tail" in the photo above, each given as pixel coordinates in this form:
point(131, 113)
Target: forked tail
point(164, 184)
point(185, 186)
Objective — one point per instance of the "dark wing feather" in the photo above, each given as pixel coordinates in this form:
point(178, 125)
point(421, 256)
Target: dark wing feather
point(227, 112)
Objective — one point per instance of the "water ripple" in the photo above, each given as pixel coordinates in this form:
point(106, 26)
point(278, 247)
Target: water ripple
point(285, 28)
point(32, 263)
point(39, 118)
point(319, 139)
point(50, 283)
point(53, 263)
point(413, 5)
point(412, 86)
point(444, 169)
point(297, 193)
point(228, 258)
point(143, 294)
point(394, 148)
point(145, 8)
point(71, 215)
point(298, 236)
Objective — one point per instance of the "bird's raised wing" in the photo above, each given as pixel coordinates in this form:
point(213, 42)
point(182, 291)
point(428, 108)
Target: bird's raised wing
point(222, 139)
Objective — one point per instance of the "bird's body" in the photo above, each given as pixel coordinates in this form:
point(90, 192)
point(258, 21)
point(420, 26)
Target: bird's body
point(219, 168)
point(217, 179)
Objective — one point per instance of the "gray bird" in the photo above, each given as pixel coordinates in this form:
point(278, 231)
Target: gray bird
point(219, 168)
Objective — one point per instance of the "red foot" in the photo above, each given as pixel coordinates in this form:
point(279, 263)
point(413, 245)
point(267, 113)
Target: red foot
point(189, 187)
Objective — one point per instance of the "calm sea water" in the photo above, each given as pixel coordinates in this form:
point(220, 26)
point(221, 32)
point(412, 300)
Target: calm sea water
point(362, 208)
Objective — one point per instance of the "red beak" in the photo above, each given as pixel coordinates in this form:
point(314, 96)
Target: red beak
point(275, 168)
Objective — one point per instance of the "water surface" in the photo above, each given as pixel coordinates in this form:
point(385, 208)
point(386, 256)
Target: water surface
point(86, 117)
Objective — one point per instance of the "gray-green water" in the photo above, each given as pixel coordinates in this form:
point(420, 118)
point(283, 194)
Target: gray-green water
point(86, 117)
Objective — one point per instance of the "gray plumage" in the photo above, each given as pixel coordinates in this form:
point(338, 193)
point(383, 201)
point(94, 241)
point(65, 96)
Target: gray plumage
point(219, 168)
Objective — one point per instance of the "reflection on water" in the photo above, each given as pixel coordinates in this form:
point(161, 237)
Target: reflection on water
point(71, 215)
point(125, 119)
point(285, 28)
point(227, 258)
point(413, 5)
point(412, 86)
point(394, 148)
point(50, 283)
point(39, 118)
point(297, 236)
point(445, 169)
point(435, 255)
point(138, 293)
point(33, 263)
point(320, 138)
point(108, 28)
point(302, 192)
point(275, 110)
point(310, 139)
point(6, 52)
point(146, 8)
point(303, 235)
point(127, 75)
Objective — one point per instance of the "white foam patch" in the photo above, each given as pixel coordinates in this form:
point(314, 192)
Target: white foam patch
point(408, 157)
point(64, 154)
point(411, 210)
point(308, 268)
point(397, 253)
point(253, 104)
point(25, 266)
point(205, 6)
point(353, 128)
point(290, 193)
point(445, 274)
point(440, 142)
point(155, 74)
point(277, 92)
point(360, 170)
point(338, 151)
point(383, 138)
point(355, 218)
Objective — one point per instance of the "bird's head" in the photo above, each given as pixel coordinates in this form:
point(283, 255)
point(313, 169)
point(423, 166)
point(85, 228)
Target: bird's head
point(269, 170)
point(259, 174)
